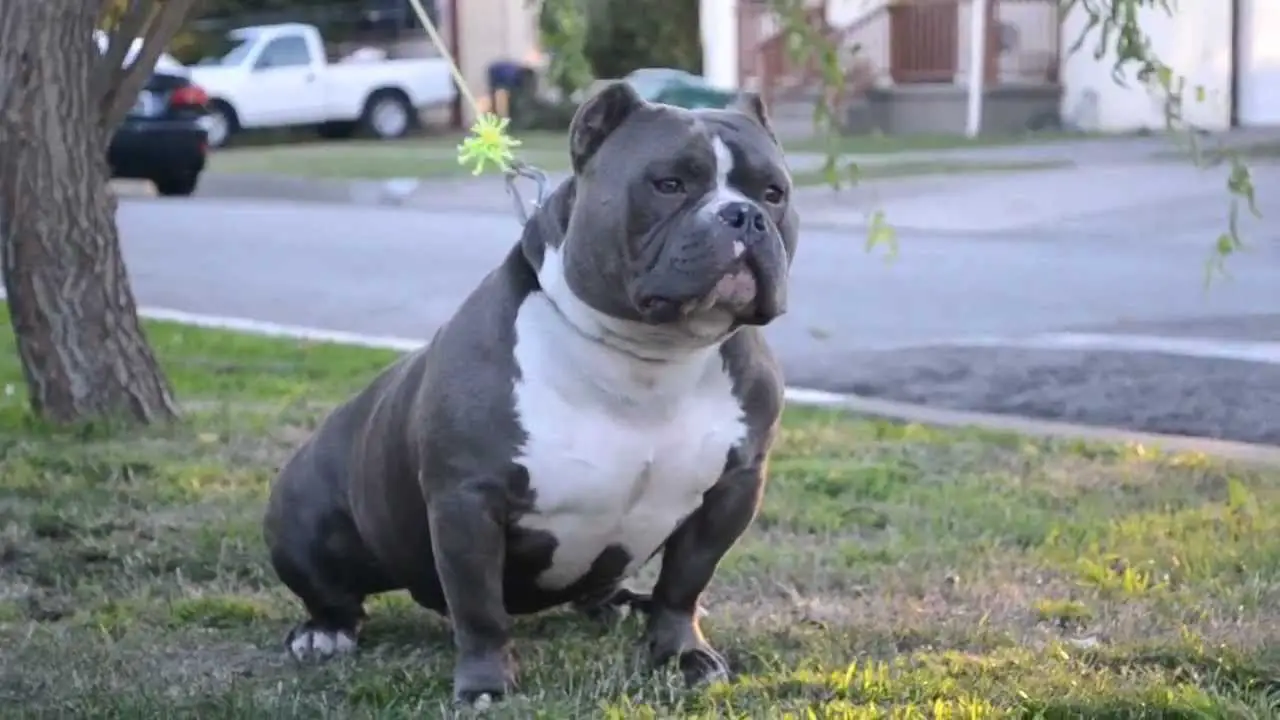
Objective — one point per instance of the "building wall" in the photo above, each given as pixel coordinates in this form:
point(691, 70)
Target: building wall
point(1259, 71)
point(1195, 42)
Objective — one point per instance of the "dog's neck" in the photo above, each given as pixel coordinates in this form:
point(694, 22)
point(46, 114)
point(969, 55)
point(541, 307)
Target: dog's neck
point(618, 357)
point(643, 342)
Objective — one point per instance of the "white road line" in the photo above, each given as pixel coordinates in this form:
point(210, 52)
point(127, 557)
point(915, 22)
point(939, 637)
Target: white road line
point(1263, 352)
point(270, 329)
point(802, 396)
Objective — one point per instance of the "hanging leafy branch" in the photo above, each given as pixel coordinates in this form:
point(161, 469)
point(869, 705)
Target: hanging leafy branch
point(1112, 25)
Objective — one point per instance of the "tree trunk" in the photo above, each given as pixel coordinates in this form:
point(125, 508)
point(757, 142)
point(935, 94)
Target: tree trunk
point(82, 349)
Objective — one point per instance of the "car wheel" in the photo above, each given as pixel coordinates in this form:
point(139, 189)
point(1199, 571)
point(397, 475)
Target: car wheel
point(387, 115)
point(219, 123)
point(178, 184)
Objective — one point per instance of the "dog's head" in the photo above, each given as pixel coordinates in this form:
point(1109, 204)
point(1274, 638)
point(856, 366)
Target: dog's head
point(675, 219)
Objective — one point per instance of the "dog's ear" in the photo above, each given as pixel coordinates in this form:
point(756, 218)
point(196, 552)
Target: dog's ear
point(598, 118)
point(751, 105)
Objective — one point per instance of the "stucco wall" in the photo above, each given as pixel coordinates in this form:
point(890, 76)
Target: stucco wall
point(1195, 42)
point(1259, 100)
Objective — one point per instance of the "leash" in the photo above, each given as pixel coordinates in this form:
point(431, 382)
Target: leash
point(515, 169)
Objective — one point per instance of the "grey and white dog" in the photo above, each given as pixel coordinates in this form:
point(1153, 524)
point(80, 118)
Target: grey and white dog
point(605, 394)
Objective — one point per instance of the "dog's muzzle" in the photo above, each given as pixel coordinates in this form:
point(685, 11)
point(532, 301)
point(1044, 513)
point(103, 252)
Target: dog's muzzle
point(738, 265)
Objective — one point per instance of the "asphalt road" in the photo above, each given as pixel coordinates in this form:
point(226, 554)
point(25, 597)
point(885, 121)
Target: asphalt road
point(401, 272)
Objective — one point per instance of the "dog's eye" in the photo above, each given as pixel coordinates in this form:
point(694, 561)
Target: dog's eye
point(669, 186)
point(773, 195)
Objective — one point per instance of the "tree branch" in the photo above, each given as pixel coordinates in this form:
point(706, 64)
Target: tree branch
point(110, 69)
point(166, 21)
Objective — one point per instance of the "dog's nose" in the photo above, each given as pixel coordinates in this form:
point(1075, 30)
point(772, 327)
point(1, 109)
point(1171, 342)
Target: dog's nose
point(742, 216)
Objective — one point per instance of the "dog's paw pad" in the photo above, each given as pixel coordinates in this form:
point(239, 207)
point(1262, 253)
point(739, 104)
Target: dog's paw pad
point(308, 643)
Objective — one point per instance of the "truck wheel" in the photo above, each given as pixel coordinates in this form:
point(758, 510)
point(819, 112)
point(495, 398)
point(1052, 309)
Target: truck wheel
point(220, 123)
point(387, 115)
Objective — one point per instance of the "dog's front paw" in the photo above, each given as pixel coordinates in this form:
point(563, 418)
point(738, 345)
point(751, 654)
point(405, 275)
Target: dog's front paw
point(703, 665)
point(673, 635)
point(481, 681)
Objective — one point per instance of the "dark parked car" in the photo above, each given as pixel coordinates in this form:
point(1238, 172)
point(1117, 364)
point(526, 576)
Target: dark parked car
point(163, 139)
point(678, 87)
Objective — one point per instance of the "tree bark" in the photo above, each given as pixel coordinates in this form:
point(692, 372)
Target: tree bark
point(82, 348)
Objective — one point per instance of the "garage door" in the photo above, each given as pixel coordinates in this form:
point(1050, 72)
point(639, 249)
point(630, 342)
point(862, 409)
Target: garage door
point(1258, 74)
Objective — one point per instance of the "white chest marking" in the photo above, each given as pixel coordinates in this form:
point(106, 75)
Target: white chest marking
point(619, 450)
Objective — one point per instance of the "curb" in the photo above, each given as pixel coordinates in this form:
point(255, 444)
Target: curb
point(1251, 453)
point(132, 188)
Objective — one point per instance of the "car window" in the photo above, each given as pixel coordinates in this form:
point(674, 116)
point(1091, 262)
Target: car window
point(289, 51)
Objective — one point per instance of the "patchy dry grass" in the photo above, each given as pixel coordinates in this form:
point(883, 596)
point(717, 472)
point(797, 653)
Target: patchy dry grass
point(896, 571)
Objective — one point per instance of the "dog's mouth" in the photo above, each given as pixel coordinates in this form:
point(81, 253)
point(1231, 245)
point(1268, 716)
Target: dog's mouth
point(735, 293)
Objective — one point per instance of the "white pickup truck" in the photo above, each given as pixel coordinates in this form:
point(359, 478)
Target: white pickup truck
point(280, 76)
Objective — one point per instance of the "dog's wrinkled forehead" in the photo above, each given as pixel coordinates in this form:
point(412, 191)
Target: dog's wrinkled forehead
point(724, 146)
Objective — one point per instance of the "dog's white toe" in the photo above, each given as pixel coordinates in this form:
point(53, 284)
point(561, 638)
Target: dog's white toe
point(317, 644)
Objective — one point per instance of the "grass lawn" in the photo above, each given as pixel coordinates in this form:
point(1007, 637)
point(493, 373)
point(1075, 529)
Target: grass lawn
point(433, 157)
point(918, 168)
point(884, 144)
point(1263, 151)
point(436, 157)
point(382, 160)
point(896, 571)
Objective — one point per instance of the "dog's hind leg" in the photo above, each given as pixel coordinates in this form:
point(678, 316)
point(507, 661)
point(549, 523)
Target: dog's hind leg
point(328, 567)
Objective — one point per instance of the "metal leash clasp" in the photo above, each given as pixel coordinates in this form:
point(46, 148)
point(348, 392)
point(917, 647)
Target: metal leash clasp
point(520, 169)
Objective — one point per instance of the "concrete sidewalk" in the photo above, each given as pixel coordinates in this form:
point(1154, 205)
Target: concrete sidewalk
point(1008, 201)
